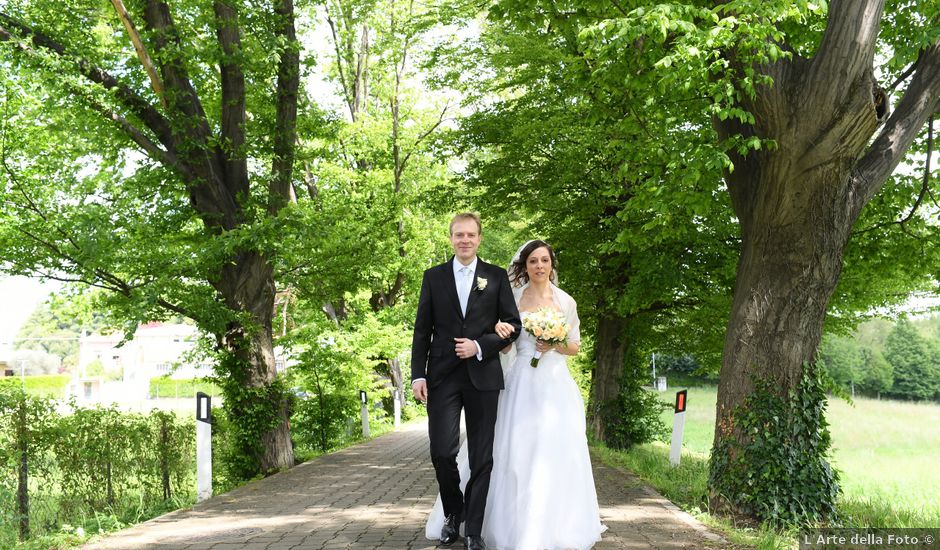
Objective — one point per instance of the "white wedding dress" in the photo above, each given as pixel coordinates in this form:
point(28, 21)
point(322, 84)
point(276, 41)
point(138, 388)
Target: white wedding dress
point(541, 494)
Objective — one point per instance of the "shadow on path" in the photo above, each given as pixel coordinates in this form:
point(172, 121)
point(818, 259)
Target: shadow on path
point(377, 495)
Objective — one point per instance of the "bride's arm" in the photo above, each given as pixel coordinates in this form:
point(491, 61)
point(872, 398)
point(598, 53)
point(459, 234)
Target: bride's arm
point(571, 348)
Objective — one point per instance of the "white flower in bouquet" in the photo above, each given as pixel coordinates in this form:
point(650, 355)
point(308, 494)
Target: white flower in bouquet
point(548, 325)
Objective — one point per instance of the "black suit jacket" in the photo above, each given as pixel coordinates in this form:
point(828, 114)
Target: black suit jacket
point(439, 321)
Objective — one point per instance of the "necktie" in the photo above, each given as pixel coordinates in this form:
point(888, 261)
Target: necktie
point(464, 288)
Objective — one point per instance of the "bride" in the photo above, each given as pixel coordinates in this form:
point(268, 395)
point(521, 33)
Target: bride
point(542, 494)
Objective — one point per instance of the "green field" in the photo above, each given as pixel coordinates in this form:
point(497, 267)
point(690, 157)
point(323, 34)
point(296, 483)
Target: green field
point(43, 385)
point(885, 450)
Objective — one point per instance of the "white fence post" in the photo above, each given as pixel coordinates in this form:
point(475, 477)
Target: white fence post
point(203, 447)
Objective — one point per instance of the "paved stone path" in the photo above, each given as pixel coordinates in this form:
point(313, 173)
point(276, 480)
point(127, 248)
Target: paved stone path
point(376, 496)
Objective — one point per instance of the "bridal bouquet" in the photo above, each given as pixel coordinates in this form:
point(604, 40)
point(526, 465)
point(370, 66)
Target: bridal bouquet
point(548, 325)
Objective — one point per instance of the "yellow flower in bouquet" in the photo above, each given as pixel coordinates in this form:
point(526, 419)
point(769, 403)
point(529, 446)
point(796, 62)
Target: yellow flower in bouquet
point(548, 325)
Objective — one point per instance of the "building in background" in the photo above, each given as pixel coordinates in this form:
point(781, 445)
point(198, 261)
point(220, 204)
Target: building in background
point(157, 349)
point(110, 372)
point(154, 351)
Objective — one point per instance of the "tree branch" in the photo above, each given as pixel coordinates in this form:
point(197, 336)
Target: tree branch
point(165, 158)
point(176, 308)
point(907, 72)
point(339, 65)
point(102, 279)
point(111, 284)
point(847, 48)
point(924, 189)
point(925, 184)
point(210, 196)
point(234, 113)
point(920, 101)
point(312, 189)
point(422, 137)
point(183, 96)
point(128, 97)
point(30, 271)
point(361, 85)
point(31, 205)
point(142, 54)
point(396, 103)
point(285, 125)
point(617, 5)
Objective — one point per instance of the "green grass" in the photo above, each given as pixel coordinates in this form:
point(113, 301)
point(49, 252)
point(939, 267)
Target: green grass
point(885, 450)
point(85, 526)
point(699, 416)
point(886, 453)
point(685, 486)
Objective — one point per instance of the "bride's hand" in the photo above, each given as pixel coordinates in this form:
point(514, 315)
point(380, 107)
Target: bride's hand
point(542, 346)
point(504, 330)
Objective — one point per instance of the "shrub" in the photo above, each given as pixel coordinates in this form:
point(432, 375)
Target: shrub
point(92, 460)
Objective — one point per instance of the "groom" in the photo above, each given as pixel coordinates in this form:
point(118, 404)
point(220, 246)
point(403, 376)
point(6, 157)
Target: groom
point(455, 365)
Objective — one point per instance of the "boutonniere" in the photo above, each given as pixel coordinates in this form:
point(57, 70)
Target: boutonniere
point(481, 284)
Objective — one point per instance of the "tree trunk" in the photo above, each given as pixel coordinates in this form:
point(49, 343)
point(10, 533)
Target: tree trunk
point(608, 371)
point(790, 264)
point(248, 286)
point(398, 379)
point(164, 447)
point(22, 488)
point(788, 269)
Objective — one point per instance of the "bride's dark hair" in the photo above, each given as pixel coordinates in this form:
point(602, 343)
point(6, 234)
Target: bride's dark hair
point(518, 275)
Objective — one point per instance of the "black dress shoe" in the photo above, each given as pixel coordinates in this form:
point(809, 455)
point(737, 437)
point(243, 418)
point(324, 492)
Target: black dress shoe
point(451, 531)
point(474, 542)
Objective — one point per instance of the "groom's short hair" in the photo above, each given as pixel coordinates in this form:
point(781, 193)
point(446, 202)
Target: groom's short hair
point(466, 216)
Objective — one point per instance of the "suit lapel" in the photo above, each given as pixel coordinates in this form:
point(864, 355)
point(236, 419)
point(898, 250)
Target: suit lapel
point(473, 285)
point(451, 284)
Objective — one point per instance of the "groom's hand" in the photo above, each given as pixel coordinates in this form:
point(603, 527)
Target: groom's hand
point(420, 390)
point(466, 348)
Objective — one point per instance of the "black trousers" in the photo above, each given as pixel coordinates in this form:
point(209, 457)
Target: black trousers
point(445, 401)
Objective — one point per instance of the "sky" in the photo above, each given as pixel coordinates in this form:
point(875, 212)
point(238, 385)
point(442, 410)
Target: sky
point(19, 296)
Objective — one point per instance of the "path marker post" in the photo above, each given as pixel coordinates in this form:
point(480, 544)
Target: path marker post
point(397, 398)
point(678, 425)
point(365, 413)
point(203, 446)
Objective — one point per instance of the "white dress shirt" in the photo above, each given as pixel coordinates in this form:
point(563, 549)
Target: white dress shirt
point(464, 282)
